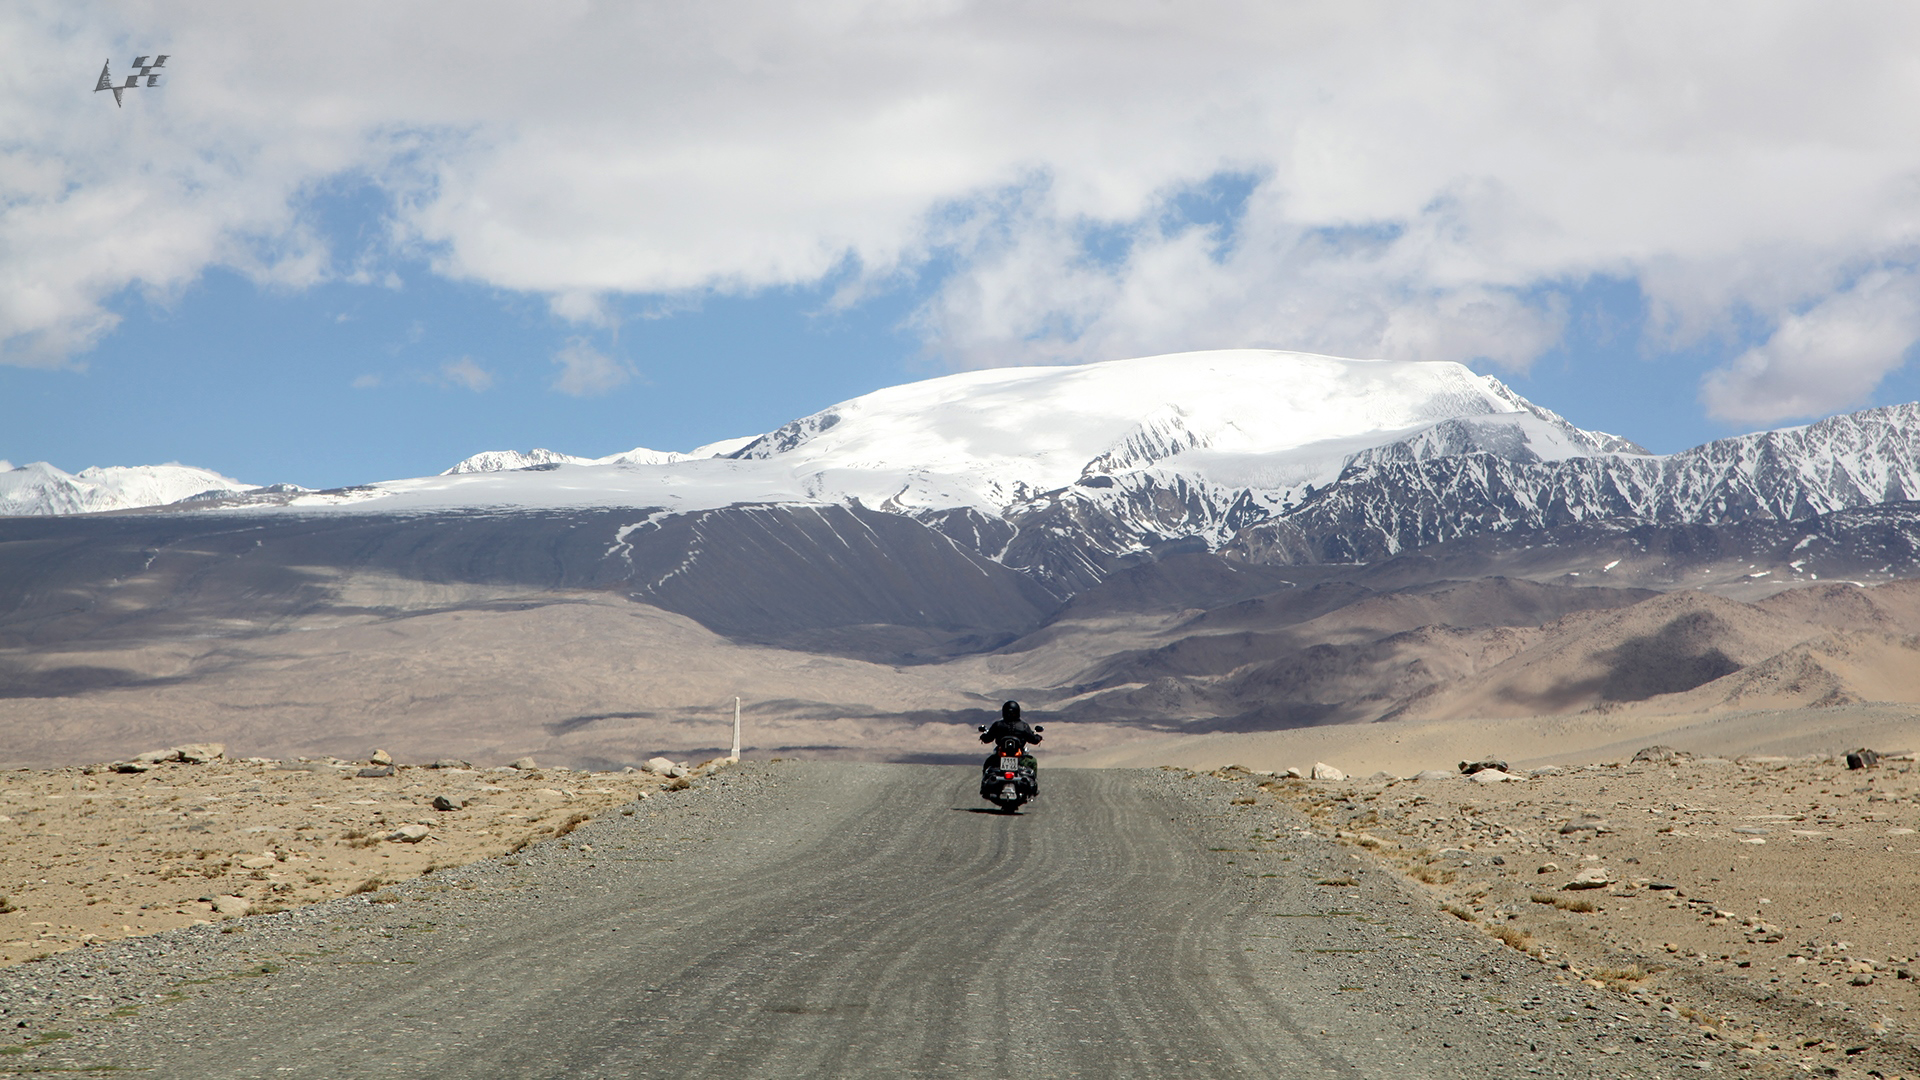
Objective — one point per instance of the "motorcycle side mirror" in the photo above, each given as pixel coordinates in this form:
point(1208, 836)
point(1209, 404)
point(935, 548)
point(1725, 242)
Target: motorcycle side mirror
point(983, 729)
point(1039, 727)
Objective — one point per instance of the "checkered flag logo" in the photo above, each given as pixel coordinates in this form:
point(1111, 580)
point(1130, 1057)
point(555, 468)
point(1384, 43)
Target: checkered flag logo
point(145, 71)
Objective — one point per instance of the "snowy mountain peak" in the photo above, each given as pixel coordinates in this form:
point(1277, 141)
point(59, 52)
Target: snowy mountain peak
point(39, 488)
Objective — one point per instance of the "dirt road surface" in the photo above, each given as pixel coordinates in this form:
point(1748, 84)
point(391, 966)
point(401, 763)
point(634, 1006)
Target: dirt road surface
point(833, 920)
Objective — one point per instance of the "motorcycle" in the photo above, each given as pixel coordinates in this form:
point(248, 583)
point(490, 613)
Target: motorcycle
point(1009, 778)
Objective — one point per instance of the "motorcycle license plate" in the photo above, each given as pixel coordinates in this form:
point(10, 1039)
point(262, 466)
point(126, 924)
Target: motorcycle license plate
point(1009, 764)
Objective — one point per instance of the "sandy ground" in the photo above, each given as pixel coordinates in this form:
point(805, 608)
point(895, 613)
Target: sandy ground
point(88, 854)
point(1406, 747)
point(1767, 900)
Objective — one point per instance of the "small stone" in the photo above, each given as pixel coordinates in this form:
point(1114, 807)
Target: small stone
point(1382, 777)
point(1659, 755)
point(409, 834)
point(1294, 774)
point(379, 757)
point(1836, 917)
point(230, 905)
point(1471, 767)
point(658, 765)
point(1548, 868)
point(131, 767)
point(524, 764)
point(1586, 823)
point(1324, 771)
point(1862, 758)
point(1492, 776)
point(451, 763)
point(374, 772)
point(1862, 979)
point(258, 862)
point(1597, 877)
point(1433, 774)
point(153, 757)
point(441, 802)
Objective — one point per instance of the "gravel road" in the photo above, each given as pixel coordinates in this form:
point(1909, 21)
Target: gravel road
point(836, 920)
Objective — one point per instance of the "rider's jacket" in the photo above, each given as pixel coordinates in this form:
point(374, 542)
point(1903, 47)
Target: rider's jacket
point(1018, 728)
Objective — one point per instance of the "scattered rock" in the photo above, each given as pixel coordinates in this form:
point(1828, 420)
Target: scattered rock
point(657, 765)
point(409, 834)
point(451, 763)
point(1862, 979)
point(1586, 823)
point(524, 764)
point(131, 767)
point(1548, 868)
point(1492, 776)
point(1546, 770)
point(441, 802)
point(230, 905)
point(1382, 777)
point(1471, 767)
point(1594, 877)
point(1659, 755)
point(679, 770)
point(1324, 771)
point(380, 757)
point(1862, 758)
point(1294, 774)
point(1752, 830)
point(259, 862)
point(198, 753)
point(374, 772)
point(153, 757)
point(1434, 774)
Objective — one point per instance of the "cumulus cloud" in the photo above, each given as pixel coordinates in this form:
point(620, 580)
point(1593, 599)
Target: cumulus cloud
point(1418, 180)
point(587, 372)
point(464, 372)
point(1828, 357)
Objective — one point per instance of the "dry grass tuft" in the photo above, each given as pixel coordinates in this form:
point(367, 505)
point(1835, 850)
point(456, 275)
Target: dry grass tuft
point(1579, 905)
point(1631, 973)
point(572, 823)
point(1514, 938)
point(1338, 882)
point(1432, 875)
point(1458, 912)
point(366, 886)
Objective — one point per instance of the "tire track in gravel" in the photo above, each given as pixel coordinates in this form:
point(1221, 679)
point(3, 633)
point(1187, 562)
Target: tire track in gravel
point(835, 920)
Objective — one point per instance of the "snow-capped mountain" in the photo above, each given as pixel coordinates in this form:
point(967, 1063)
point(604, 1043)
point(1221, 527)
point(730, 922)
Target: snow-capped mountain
point(992, 441)
point(512, 460)
point(39, 488)
point(1067, 473)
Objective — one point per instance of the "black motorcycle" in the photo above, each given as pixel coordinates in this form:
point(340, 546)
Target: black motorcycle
point(1010, 777)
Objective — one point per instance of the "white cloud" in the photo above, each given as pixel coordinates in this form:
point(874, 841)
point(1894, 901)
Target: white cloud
point(587, 372)
point(1424, 174)
point(365, 382)
point(464, 372)
point(1827, 358)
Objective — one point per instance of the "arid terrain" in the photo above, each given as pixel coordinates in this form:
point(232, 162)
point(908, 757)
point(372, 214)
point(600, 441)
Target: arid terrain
point(89, 854)
point(1763, 900)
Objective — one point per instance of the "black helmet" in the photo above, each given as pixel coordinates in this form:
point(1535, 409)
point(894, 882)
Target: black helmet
point(1010, 711)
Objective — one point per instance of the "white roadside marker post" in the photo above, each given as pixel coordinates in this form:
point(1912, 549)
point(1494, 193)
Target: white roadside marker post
point(735, 756)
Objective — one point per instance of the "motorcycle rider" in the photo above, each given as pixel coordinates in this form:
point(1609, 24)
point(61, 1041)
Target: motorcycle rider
point(1010, 724)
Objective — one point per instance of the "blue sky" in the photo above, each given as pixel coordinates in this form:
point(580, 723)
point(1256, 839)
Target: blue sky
point(662, 227)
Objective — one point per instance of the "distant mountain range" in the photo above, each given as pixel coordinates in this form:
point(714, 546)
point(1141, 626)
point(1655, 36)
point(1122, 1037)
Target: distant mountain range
point(1068, 474)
